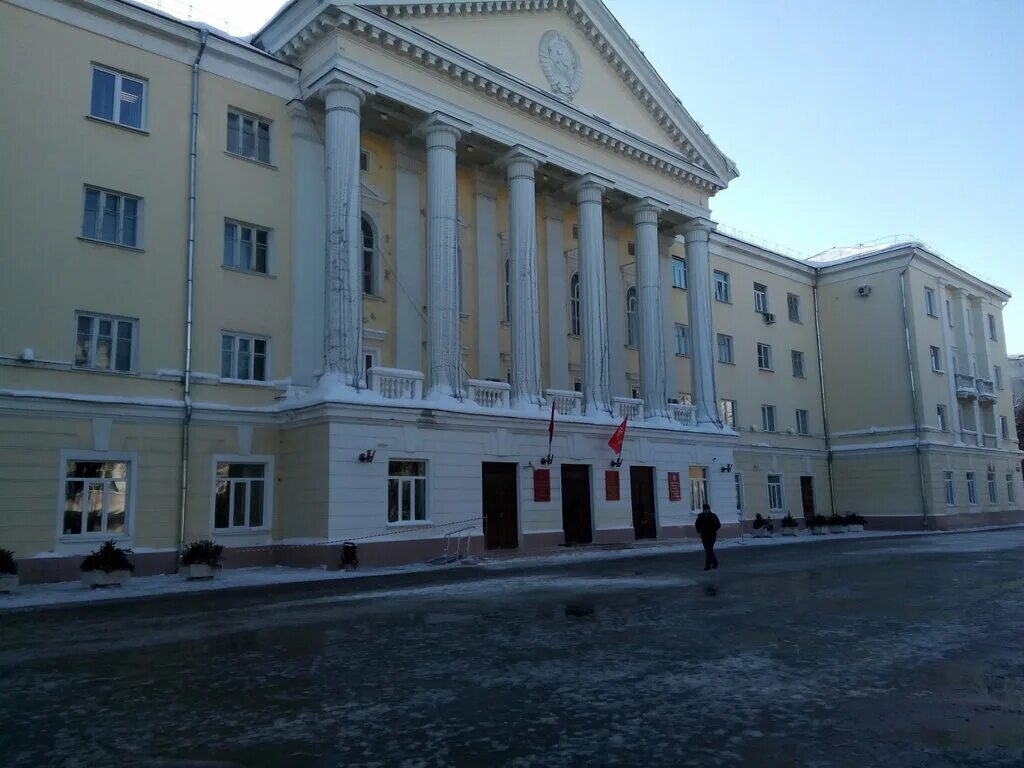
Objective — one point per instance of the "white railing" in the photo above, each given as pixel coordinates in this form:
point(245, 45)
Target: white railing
point(396, 384)
point(489, 394)
point(683, 413)
point(966, 386)
point(986, 389)
point(567, 402)
point(628, 408)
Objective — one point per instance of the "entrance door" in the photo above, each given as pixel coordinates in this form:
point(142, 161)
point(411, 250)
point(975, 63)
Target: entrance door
point(641, 485)
point(501, 504)
point(576, 520)
point(807, 495)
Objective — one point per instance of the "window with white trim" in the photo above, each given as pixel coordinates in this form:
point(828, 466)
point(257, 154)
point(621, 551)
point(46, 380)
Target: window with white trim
point(111, 217)
point(632, 317)
point(997, 374)
point(803, 422)
point(240, 496)
point(369, 257)
point(698, 488)
point(972, 491)
point(936, 357)
point(574, 304)
point(364, 160)
point(243, 357)
point(95, 497)
point(768, 418)
point(118, 98)
point(246, 247)
point(630, 248)
point(105, 343)
point(929, 302)
point(992, 328)
point(793, 302)
point(950, 488)
point(249, 136)
point(678, 272)
point(722, 287)
point(725, 348)
point(682, 340)
point(992, 493)
point(949, 313)
point(775, 497)
point(1010, 491)
point(1004, 427)
point(941, 411)
point(407, 491)
point(764, 357)
point(798, 364)
point(760, 298)
point(737, 478)
point(727, 412)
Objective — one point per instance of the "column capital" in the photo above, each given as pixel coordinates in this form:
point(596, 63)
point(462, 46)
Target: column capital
point(302, 122)
point(645, 205)
point(698, 229)
point(520, 154)
point(587, 185)
point(337, 84)
point(440, 124)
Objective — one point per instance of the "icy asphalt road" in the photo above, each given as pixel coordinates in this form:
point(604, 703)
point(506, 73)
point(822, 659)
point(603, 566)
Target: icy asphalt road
point(895, 652)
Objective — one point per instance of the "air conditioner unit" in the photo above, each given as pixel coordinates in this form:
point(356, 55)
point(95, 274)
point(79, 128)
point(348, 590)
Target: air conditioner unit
point(769, 318)
point(864, 290)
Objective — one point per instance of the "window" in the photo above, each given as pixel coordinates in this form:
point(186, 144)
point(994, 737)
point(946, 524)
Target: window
point(678, 273)
point(768, 418)
point(992, 328)
point(941, 410)
point(764, 357)
point(1004, 427)
point(775, 498)
point(997, 372)
point(111, 217)
point(936, 355)
point(104, 343)
point(249, 136)
point(575, 231)
point(243, 357)
point(508, 290)
point(950, 490)
point(798, 364)
point(240, 501)
point(972, 492)
point(1009, 488)
point(634, 392)
point(698, 488)
point(929, 302)
point(992, 495)
point(577, 385)
point(364, 160)
point(760, 298)
point(117, 98)
point(574, 304)
point(803, 426)
point(738, 480)
point(371, 360)
point(793, 302)
point(633, 318)
point(95, 497)
point(722, 292)
point(407, 491)
point(955, 355)
point(724, 348)
point(246, 247)
point(949, 313)
point(727, 412)
point(682, 340)
point(630, 248)
point(369, 258)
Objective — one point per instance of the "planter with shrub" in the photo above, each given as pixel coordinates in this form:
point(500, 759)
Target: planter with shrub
point(854, 522)
point(836, 524)
point(789, 526)
point(8, 571)
point(763, 526)
point(201, 560)
point(108, 566)
point(818, 525)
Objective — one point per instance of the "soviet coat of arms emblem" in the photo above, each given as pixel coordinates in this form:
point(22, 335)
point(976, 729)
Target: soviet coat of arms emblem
point(561, 64)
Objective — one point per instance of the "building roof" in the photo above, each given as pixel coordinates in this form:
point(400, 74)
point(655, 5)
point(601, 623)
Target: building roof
point(846, 253)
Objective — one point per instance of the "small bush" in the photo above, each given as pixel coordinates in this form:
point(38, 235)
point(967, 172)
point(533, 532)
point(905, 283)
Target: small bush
point(818, 521)
point(853, 519)
point(760, 521)
point(788, 521)
point(835, 519)
point(8, 567)
point(108, 558)
point(203, 552)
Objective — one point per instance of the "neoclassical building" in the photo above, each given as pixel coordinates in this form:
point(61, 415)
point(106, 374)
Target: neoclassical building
point(394, 274)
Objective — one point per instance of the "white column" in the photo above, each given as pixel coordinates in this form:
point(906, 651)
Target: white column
point(615, 297)
point(952, 407)
point(343, 334)
point(558, 296)
point(651, 320)
point(409, 267)
point(441, 135)
point(668, 321)
point(702, 346)
point(593, 295)
point(488, 305)
point(521, 165)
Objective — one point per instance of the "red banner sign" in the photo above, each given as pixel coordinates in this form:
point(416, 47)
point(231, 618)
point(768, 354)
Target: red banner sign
point(675, 490)
point(542, 485)
point(611, 485)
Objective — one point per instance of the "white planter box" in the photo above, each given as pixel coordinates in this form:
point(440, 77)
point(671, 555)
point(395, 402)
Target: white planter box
point(855, 528)
point(835, 529)
point(818, 531)
point(8, 583)
point(199, 572)
point(103, 579)
point(761, 533)
point(789, 531)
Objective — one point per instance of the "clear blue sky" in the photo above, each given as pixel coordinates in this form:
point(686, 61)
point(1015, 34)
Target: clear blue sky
point(850, 120)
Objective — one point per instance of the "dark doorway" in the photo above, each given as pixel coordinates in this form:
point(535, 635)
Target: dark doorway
point(576, 521)
point(641, 489)
point(501, 505)
point(807, 495)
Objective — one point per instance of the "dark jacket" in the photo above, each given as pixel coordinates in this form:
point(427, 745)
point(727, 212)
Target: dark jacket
point(707, 525)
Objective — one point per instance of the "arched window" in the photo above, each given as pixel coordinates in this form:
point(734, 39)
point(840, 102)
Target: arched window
point(632, 327)
point(369, 257)
point(508, 292)
point(574, 304)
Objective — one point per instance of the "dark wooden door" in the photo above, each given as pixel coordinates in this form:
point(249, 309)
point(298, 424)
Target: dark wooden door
point(501, 505)
point(576, 520)
point(807, 495)
point(641, 487)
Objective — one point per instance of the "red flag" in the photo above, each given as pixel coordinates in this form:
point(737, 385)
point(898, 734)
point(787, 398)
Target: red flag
point(620, 434)
point(551, 426)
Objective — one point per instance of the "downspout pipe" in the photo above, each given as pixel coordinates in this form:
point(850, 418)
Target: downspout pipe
point(824, 397)
point(190, 288)
point(914, 394)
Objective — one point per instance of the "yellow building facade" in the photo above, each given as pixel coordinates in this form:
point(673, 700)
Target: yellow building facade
point(394, 250)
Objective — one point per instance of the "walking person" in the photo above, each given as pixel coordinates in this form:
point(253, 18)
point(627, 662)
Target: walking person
point(707, 525)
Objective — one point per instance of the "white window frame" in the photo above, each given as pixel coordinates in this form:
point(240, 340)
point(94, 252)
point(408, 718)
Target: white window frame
point(929, 302)
point(769, 422)
point(949, 313)
point(993, 336)
point(943, 423)
point(371, 354)
point(727, 411)
point(936, 357)
point(575, 326)
point(1010, 489)
point(119, 78)
point(997, 374)
point(972, 489)
point(793, 305)
point(723, 287)
point(268, 494)
point(729, 346)
point(679, 273)
point(94, 337)
point(798, 370)
point(760, 298)
point(737, 478)
point(1004, 427)
point(776, 494)
point(236, 248)
point(682, 340)
point(401, 478)
point(993, 493)
point(119, 237)
point(252, 357)
point(698, 489)
point(131, 458)
point(373, 254)
point(632, 317)
point(256, 120)
point(803, 422)
point(950, 486)
point(764, 357)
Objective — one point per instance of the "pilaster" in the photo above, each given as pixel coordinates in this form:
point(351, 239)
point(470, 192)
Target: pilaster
point(485, 200)
point(702, 354)
point(558, 295)
point(410, 299)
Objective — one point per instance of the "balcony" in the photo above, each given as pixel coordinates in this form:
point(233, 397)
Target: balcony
point(966, 387)
point(986, 391)
point(683, 413)
point(396, 384)
point(566, 401)
point(489, 394)
point(628, 408)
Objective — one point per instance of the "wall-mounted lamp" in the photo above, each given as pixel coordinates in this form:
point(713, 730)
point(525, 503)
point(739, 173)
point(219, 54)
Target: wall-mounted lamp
point(617, 462)
point(367, 457)
point(727, 467)
point(549, 459)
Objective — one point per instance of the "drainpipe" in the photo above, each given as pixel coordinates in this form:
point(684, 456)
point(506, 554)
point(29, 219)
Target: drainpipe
point(824, 399)
point(913, 394)
point(190, 288)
